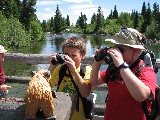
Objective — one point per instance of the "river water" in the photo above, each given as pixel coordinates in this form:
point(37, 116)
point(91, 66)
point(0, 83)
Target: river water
point(52, 44)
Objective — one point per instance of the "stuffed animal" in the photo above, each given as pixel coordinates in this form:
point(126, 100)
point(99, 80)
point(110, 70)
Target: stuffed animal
point(39, 95)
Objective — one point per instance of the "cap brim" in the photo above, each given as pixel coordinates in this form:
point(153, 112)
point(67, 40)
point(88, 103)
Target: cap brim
point(3, 51)
point(129, 43)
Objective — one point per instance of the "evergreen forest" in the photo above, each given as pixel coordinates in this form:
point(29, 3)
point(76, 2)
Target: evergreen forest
point(19, 25)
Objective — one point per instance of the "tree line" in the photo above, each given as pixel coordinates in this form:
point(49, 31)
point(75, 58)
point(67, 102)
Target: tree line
point(146, 21)
point(19, 25)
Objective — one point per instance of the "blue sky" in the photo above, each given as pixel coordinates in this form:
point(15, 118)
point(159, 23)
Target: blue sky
point(46, 8)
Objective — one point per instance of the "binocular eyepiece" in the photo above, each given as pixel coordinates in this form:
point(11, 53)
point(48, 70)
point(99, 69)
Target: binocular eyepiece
point(59, 59)
point(104, 55)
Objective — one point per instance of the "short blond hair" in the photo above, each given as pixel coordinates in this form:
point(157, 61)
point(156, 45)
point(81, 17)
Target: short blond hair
point(76, 43)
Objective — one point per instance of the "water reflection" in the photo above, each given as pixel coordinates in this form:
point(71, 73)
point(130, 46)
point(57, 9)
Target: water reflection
point(52, 44)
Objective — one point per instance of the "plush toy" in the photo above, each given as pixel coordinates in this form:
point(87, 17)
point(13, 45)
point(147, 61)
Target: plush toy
point(39, 95)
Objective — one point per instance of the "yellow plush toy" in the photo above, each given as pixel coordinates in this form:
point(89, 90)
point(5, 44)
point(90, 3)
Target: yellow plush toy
point(39, 95)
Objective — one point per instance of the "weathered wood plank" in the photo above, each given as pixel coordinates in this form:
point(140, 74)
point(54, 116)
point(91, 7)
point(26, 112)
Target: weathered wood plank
point(44, 58)
point(41, 59)
point(36, 58)
point(15, 79)
point(27, 58)
point(23, 80)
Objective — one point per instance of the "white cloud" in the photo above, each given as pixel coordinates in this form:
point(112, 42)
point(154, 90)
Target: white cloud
point(82, 6)
point(88, 10)
point(48, 9)
point(48, 13)
point(47, 2)
point(78, 1)
point(73, 10)
point(44, 16)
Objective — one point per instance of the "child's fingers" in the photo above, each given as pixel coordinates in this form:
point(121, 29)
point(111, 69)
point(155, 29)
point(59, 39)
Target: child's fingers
point(8, 87)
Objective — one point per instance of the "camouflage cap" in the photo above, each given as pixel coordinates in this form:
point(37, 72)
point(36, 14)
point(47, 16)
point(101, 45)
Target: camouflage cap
point(129, 37)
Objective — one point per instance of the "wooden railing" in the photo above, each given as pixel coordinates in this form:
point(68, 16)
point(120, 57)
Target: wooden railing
point(44, 59)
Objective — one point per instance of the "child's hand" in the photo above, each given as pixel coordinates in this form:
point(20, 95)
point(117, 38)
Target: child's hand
point(53, 56)
point(4, 87)
point(116, 56)
point(70, 63)
point(52, 67)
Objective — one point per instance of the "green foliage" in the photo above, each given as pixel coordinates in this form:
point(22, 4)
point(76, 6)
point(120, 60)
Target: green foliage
point(12, 33)
point(110, 15)
point(153, 31)
point(135, 22)
point(51, 24)
point(99, 25)
point(36, 31)
point(112, 26)
point(59, 24)
point(140, 22)
point(68, 21)
point(81, 22)
point(99, 28)
point(3, 29)
point(17, 34)
point(94, 19)
point(115, 13)
point(75, 29)
point(155, 11)
point(44, 26)
point(28, 13)
point(90, 28)
point(125, 19)
point(19, 25)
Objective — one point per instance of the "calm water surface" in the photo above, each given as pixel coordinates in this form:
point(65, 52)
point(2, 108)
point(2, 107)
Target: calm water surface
point(52, 44)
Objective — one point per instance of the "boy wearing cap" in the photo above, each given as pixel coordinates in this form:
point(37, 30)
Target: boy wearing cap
point(126, 91)
point(3, 88)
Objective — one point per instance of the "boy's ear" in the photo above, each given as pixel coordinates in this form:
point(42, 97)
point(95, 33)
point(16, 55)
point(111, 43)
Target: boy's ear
point(83, 55)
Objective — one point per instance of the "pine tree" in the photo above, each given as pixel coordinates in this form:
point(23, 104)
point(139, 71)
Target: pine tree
point(133, 14)
point(155, 11)
point(68, 21)
point(143, 9)
point(143, 13)
point(28, 13)
point(82, 22)
point(6, 7)
point(51, 28)
point(58, 21)
point(93, 18)
point(148, 15)
point(110, 15)
point(115, 13)
point(135, 22)
point(16, 8)
point(99, 22)
point(44, 25)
